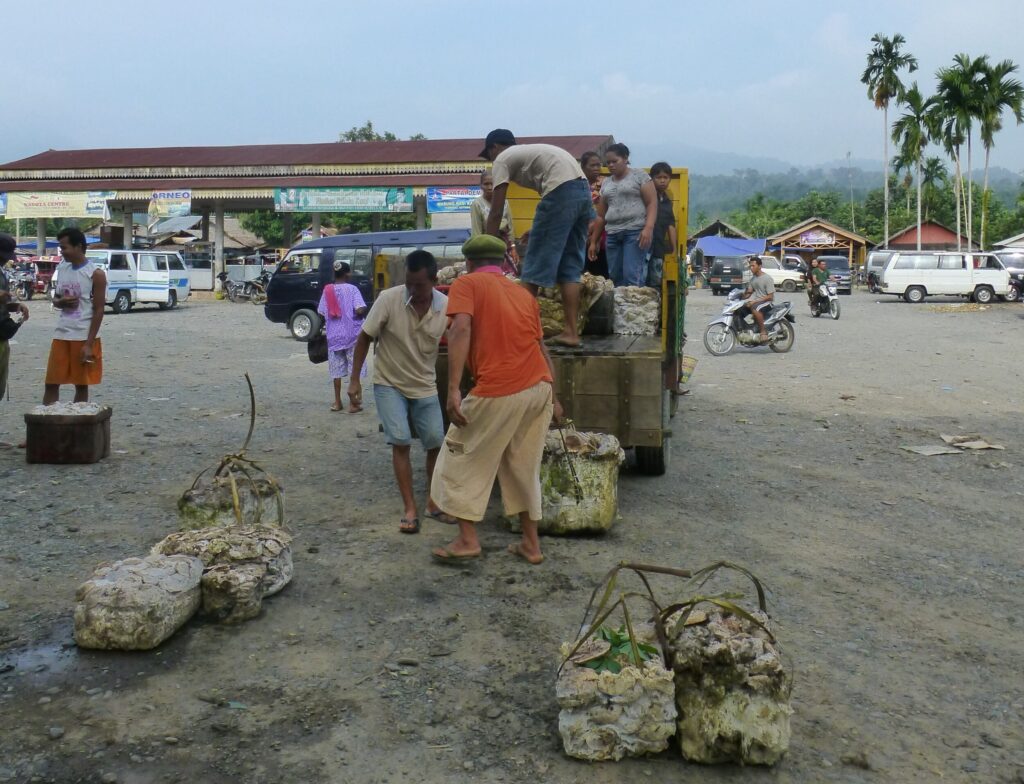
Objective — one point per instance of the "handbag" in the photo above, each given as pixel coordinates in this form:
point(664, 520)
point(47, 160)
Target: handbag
point(317, 349)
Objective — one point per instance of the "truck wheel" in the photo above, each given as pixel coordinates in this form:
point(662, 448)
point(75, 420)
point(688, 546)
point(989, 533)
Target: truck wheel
point(654, 460)
point(914, 294)
point(304, 324)
point(122, 302)
point(983, 295)
point(789, 285)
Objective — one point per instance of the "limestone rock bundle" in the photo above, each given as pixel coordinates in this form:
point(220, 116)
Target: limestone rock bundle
point(732, 691)
point(595, 458)
point(233, 593)
point(552, 317)
point(447, 274)
point(235, 546)
point(211, 502)
point(137, 603)
point(637, 310)
point(607, 716)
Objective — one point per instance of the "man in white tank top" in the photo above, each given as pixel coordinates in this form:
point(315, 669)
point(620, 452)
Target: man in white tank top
point(76, 355)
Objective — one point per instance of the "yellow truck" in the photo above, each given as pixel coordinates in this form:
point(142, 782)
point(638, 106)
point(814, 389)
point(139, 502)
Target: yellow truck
point(621, 384)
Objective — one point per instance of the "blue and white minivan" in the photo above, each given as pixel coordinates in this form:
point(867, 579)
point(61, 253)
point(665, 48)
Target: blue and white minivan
point(376, 258)
point(140, 277)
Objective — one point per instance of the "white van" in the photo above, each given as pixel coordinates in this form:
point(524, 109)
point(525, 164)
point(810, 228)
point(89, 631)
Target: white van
point(914, 275)
point(136, 277)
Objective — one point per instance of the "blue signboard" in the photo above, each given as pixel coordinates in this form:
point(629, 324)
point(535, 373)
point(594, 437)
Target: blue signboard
point(451, 199)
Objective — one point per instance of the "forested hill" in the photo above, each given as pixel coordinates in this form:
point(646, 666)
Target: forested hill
point(719, 195)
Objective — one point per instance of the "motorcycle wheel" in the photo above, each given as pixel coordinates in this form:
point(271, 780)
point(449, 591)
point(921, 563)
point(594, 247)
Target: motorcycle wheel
point(833, 309)
point(719, 339)
point(25, 291)
point(784, 343)
point(815, 311)
point(258, 297)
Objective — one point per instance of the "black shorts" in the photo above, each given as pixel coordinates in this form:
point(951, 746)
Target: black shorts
point(764, 307)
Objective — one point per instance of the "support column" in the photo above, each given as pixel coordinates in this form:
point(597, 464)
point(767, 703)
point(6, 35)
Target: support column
point(205, 225)
point(126, 220)
point(375, 221)
point(287, 229)
point(218, 243)
point(420, 207)
point(40, 236)
point(316, 225)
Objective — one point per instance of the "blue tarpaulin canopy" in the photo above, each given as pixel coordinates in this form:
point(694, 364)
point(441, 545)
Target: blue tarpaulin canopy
point(730, 246)
point(51, 244)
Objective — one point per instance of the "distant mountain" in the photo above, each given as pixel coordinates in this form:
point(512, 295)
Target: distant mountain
point(701, 161)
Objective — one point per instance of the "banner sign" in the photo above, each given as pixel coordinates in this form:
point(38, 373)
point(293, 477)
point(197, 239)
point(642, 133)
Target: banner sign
point(3, 204)
point(343, 199)
point(170, 204)
point(91, 204)
point(817, 237)
point(448, 199)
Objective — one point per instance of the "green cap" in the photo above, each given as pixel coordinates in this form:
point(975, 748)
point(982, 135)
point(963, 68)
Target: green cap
point(482, 247)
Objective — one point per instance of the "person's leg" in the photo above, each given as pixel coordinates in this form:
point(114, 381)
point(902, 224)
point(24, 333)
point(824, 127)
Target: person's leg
point(337, 394)
point(570, 268)
point(51, 394)
point(551, 227)
point(528, 547)
point(393, 410)
point(633, 269)
point(614, 249)
point(429, 424)
point(81, 393)
point(570, 336)
point(57, 371)
point(759, 319)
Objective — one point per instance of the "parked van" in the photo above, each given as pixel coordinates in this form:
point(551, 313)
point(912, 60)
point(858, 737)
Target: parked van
point(139, 277)
point(877, 260)
point(784, 277)
point(914, 275)
point(377, 260)
point(728, 273)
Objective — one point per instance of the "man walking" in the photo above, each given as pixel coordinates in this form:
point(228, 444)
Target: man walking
point(76, 354)
point(407, 322)
point(557, 249)
point(500, 428)
point(8, 326)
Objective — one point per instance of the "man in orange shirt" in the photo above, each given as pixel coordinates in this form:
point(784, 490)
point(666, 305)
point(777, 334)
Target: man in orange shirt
point(500, 428)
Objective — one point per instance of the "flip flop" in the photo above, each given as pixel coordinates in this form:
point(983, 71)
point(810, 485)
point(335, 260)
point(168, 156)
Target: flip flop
point(335, 409)
point(517, 551)
point(444, 555)
point(407, 526)
point(442, 517)
point(556, 341)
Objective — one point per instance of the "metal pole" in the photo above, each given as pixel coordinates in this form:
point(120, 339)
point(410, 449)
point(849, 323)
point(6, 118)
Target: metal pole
point(218, 247)
point(40, 236)
point(420, 205)
point(316, 225)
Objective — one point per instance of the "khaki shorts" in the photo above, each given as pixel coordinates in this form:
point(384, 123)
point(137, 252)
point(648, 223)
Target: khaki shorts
point(504, 438)
point(65, 364)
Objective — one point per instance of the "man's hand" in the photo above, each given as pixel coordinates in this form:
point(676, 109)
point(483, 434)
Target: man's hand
point(355, 391)
point(88, 358)
point(645, 238)
point(557, 412)
point(455, 415)
point(23, 310)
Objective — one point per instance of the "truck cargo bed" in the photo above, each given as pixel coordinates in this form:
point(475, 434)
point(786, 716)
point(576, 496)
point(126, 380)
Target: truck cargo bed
point(611, 346)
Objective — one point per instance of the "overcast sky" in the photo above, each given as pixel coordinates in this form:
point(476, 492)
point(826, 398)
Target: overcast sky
point(764, 79)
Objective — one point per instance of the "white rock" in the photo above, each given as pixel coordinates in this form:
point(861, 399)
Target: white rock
point(137, 603)
point(637, 310)
point(233, 593)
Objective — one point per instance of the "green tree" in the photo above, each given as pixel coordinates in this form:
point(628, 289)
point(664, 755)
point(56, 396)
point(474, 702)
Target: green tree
point(882, 77)
point(933, 176)
point(910, 132)
point(948, 124)
point(366, 133)
point(1001, 93)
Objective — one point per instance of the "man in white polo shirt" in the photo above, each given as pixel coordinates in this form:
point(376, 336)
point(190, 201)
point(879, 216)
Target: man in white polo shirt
point(557, 248)
point(407, 322)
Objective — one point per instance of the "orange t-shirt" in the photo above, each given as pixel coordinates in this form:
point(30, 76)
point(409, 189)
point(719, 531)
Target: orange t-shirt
point(504, 355)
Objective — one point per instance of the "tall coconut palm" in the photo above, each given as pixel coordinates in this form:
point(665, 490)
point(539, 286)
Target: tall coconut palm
point(1000, 94)
point(945, 128)
point(905, 166)
point(933, 174)
point(882, 77)
point(910, 132)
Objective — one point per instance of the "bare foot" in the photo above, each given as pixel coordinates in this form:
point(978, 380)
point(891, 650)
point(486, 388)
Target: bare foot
point(533, 558)
point(570, 341)
point(353, 409)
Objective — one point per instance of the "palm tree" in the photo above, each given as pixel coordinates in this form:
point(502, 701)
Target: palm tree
point(933, 174)
point(882, 77)
point(1000, 94)
point(910, 131)
point(901, 164)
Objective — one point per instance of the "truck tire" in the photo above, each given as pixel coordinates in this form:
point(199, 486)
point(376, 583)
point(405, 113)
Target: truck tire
point(304, 324)
point(654, 460)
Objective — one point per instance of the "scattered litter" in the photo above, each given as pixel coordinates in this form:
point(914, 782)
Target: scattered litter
point(969, 442)
point(847, 397)
point(157, 399)
point(998, 464)
point(947, 389)
point(889, 503)
point(930, 450)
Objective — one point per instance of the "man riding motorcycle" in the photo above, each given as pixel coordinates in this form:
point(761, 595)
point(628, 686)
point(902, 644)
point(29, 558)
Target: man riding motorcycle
point(758, 296)
point(819, 276)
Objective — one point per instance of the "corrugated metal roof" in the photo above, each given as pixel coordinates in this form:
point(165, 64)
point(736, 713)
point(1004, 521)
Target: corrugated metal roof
point(227, 183)
point(287, 154)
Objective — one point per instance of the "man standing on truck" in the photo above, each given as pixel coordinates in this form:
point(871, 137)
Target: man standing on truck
point(407, 322)
point(759, 296)
point(76, 354)
point(557, 248)
point(500, 428)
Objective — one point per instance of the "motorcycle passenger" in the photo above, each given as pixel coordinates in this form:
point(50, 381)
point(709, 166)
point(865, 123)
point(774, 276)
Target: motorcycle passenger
point(809, 278)
point(758, 296)
point(820, 276)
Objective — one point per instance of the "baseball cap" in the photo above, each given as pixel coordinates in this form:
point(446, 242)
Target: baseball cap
point(7, 247)
point(497, 136)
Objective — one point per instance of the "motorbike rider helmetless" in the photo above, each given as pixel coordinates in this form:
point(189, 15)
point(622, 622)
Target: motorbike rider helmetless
point(758, 297)
point(819, 277)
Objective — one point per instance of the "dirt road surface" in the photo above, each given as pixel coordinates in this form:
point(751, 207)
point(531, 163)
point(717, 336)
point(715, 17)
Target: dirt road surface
point(896, 579)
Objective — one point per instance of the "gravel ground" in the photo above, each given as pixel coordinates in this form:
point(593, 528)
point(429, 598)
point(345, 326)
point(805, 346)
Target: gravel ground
point(896, 579)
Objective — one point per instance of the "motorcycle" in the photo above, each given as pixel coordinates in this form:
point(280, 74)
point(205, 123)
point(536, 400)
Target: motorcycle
point(23, 284)
point(729, 328)
point(256, 289)
point(232, 289)
point(825, 301)
point(1016, 292)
